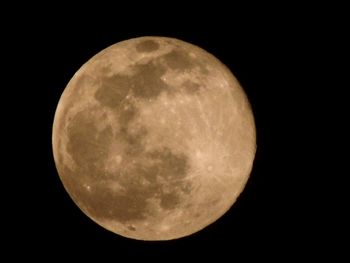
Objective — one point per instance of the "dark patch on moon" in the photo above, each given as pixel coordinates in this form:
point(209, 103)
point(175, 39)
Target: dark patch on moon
point(191, 87)
point(169, 200)
point(127, 113)
point(145, 83)
point(197, 215)
point(147, 46)
point(87, 145)
point(178, 59)
point(131, 228)
point(107, 203)
point(204, 70)
point(186, 188)
point(171, 166)
point(134, 141)
point(113, 90)
point(214, 202)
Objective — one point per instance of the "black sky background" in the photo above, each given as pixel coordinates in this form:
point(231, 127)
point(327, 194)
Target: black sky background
point(275, 57)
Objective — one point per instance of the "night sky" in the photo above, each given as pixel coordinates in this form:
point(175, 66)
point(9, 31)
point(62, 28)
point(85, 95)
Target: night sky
point(271, 56)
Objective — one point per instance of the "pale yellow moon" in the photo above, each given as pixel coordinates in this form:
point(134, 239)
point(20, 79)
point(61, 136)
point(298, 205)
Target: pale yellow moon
point(154, 138)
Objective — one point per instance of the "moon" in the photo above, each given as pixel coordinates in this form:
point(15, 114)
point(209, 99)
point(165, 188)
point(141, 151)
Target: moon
point(154, 138)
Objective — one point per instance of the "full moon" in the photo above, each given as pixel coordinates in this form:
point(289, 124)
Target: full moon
point(154, 138)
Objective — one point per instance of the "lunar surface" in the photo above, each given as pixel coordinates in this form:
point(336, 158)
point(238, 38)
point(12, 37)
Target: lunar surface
point(154, 138)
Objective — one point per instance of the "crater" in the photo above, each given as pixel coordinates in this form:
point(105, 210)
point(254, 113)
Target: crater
point(147, 46)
